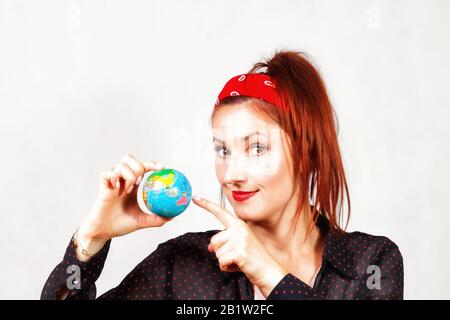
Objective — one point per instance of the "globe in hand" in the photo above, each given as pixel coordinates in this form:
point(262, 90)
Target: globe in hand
point(166, 192)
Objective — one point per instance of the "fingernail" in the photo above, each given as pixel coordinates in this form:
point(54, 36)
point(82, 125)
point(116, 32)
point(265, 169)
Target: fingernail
point(197, 198)
point(159, 165)
point(129, 189)
point(117, 184)
point(138, 180)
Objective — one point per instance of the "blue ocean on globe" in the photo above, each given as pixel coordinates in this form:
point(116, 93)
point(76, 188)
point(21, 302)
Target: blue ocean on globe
point(167, 192)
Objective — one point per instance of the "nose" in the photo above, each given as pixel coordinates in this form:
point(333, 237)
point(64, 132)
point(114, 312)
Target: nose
point(236, 170)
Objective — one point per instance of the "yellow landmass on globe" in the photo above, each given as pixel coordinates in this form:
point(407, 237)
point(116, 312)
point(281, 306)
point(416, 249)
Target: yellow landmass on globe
point(166, 180)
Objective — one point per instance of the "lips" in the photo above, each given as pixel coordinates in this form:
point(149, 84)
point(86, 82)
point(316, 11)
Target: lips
point(243, 195)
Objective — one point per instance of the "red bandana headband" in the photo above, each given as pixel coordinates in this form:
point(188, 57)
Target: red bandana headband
point(256, 85)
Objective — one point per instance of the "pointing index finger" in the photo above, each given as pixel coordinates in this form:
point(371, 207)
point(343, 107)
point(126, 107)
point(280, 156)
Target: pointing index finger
point(225, 217)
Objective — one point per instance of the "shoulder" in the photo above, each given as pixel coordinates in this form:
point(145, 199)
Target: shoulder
point(368, 250)
point(360, 241)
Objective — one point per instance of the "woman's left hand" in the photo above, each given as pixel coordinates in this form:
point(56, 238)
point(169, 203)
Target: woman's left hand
point(238, 249)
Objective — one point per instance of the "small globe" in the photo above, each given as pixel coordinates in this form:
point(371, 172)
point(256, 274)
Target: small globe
point(167, 193)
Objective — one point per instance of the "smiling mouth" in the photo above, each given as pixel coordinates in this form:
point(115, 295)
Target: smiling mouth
point(243, 195)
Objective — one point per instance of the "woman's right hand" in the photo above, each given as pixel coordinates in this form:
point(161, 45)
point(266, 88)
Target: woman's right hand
point(116, 211)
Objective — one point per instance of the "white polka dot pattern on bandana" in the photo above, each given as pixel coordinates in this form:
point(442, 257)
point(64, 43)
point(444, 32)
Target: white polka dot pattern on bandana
point(255, 85)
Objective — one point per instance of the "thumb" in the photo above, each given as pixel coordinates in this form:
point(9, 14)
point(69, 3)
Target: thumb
point(146, 220)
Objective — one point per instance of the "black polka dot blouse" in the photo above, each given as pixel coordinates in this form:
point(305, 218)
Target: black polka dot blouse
point(355, 265)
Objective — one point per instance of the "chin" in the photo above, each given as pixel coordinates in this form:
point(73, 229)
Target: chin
point(248, 215)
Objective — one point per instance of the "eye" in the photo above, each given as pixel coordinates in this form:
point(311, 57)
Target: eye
point(259, 148)
point(219, 149)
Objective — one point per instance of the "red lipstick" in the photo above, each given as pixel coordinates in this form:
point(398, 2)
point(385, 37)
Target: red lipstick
point(243, 195)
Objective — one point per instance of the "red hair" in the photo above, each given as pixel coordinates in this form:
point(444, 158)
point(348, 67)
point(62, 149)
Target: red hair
point(309, 125)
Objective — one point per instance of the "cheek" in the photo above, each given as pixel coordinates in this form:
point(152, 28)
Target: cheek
point(269, 170)
point(276, 194)
point(220, 172)
point(267, 167)
point(277, 183)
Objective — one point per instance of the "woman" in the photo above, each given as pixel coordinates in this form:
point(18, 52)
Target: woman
point(276, 150)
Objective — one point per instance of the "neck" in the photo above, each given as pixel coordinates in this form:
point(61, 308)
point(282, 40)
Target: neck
point(283, 235)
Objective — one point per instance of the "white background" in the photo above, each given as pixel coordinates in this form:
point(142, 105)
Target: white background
point(84, 82)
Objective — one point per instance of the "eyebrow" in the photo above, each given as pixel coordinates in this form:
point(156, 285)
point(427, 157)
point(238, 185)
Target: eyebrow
point(244, 138)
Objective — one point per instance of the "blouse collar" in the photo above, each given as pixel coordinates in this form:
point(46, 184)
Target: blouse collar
point(337, 250)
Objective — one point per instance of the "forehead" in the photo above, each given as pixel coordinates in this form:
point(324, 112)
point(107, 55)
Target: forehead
point(240, 120)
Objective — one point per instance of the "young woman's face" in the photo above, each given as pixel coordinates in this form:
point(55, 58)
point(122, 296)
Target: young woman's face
point(252, 155)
